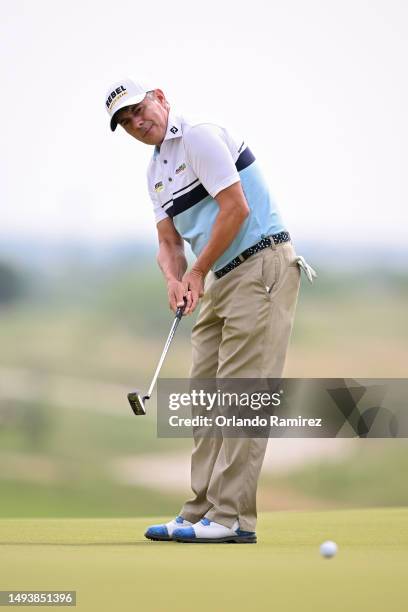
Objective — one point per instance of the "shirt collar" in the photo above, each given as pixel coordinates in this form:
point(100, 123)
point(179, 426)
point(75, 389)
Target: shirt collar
point(173, 126)
point(174, 130)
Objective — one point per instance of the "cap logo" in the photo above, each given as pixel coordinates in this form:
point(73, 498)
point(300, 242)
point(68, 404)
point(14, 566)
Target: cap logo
point(159, 186)
point(173, 129)
point(115, 95)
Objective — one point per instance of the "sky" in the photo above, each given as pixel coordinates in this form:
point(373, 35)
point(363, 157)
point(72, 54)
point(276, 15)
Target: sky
point(317, 89)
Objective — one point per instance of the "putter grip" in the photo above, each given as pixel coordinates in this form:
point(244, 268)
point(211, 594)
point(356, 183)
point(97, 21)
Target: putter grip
point(180, 310)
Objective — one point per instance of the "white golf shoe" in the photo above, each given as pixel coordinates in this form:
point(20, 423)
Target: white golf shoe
point(206, 531)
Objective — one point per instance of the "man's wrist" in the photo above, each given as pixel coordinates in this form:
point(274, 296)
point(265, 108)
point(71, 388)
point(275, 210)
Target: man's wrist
point(199, 268)
point(172, 279)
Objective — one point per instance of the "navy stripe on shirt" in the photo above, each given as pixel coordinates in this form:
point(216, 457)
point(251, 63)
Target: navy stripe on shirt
point(196, 195)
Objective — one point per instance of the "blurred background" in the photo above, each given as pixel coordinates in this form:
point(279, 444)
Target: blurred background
point(319, 92)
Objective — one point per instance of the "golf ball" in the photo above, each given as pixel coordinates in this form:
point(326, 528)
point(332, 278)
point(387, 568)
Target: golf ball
point(328, 549)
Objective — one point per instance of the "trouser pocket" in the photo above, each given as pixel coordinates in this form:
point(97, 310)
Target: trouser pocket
point(271, 267)
point(276, 266)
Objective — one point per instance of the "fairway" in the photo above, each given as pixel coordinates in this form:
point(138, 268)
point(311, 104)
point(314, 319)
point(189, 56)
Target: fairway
point(111, 566)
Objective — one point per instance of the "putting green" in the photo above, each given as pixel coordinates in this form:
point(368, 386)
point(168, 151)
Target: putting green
point(112, 567)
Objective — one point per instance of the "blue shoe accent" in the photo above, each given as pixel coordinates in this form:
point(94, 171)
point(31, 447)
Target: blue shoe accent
point(205, 521)
point(179, 519)
point(240, 532)
point(157, 531)
point(186, 532)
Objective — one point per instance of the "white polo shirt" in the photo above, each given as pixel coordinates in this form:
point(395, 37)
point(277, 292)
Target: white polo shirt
point(193, 164)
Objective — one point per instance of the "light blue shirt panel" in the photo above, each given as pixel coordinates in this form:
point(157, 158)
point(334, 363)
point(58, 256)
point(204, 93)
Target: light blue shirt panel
point(195, 224)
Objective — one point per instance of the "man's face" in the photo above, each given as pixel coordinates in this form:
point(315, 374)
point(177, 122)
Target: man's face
point(146, 121)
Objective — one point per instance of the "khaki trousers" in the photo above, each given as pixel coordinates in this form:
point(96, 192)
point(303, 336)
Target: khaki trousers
point(242, 331)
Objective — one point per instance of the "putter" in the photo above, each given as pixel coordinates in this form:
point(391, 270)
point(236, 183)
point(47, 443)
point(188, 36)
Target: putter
point(136, 399)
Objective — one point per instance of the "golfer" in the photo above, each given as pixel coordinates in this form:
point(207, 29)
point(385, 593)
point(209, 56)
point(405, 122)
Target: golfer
point(207, 189)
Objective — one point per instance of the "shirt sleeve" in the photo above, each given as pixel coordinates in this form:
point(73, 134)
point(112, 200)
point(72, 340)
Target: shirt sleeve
point(210, 157)
point(159, 213)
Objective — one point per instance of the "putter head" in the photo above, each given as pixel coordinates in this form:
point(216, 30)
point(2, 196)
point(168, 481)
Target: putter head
point(136, 402)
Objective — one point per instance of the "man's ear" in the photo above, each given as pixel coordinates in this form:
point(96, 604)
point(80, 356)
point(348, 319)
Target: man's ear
point(159, 95)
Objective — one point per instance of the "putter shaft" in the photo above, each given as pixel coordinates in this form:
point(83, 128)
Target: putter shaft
point(136, 399)
point(166, 348)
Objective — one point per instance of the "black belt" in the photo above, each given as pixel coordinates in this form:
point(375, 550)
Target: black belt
point(259, 246)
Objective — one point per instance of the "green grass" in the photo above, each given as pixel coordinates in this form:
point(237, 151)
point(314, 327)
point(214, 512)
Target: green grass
point(79, 433)
point(82, 499)
point(82, 433)
point(88, 344)
point(375, 475)
point(112, 567)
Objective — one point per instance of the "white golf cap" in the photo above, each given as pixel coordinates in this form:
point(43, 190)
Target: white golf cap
point(123, 93)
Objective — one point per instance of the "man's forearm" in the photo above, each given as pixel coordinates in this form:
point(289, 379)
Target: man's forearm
point(172, 261)
point(225, 229)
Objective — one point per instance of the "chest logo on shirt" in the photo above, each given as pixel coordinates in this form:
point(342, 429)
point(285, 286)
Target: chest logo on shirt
point(159, 186)
point(181, 168)
point(174, 130)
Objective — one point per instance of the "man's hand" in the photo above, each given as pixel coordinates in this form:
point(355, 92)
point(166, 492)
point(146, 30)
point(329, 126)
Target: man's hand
point(176, 293)
point(186, 292)
point(193, 283)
